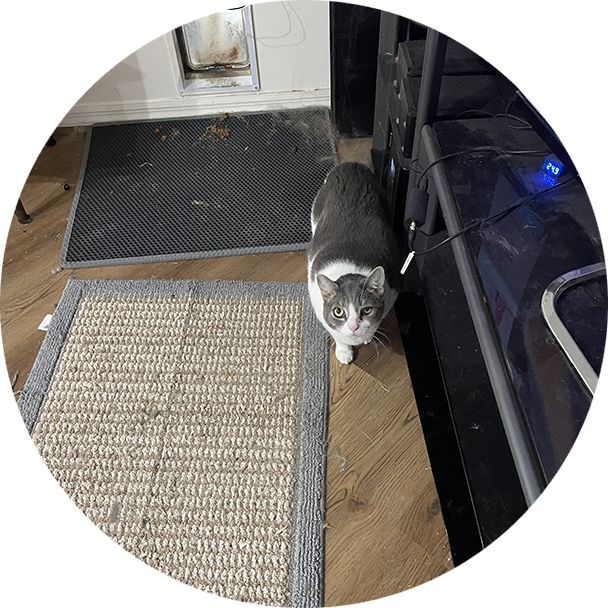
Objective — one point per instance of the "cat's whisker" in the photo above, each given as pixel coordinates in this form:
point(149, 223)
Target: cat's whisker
point(376, 340)
point(386, 348)
point(388, 340)
point(375, 347)
point(383, 334)
point(380, 339)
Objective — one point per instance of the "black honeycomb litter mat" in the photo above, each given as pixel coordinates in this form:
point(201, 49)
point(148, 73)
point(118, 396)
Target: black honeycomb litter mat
point(187, 188)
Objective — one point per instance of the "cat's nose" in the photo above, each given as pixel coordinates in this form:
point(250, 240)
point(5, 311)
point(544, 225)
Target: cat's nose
point(352, 324)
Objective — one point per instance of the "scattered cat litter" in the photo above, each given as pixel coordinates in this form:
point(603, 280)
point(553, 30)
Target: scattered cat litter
point(204, 214)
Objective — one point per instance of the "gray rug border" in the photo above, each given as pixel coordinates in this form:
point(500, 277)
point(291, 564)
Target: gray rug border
point(307, 577)
point(178, 257)
point(173, 257)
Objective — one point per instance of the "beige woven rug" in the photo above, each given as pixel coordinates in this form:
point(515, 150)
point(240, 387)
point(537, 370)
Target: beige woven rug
point(187, 420)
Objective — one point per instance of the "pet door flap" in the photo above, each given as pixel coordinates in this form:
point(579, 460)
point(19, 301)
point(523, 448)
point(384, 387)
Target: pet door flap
point(217, 41)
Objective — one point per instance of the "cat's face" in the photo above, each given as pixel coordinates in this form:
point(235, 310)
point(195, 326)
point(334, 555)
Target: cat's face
point(353, 305)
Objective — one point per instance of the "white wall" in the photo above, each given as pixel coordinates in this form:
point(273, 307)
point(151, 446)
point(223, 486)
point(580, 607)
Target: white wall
point(292, 43)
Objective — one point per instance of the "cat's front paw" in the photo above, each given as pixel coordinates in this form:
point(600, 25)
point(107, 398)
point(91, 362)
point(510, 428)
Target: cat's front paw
point(344, 353)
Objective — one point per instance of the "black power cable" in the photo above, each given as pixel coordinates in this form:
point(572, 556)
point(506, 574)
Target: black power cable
point(494, 149)
point(497, 217)
point(414, 223)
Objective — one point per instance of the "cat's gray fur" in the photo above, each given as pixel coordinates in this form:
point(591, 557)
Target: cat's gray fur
point(353, 258)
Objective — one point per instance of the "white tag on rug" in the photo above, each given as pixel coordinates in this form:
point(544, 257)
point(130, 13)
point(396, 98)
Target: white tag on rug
point(45, 323)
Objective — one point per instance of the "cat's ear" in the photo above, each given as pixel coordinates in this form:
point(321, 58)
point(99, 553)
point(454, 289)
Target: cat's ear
point(328, 288)
point(375, 281)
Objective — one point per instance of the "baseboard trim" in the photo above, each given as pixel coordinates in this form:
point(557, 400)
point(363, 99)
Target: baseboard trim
point(194, 105)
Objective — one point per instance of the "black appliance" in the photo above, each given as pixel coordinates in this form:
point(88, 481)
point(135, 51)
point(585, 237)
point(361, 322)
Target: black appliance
point(504, 323)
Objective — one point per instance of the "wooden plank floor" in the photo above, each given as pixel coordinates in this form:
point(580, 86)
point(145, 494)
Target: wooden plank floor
point(384, 528)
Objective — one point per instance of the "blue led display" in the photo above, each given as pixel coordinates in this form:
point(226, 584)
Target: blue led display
point(552, 167)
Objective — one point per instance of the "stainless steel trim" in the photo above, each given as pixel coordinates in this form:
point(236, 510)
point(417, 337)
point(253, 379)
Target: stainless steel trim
point(597, 388)
point(548, 305)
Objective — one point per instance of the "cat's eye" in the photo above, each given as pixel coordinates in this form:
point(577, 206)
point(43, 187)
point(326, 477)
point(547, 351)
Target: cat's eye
point(338, 313)
point(367, 310)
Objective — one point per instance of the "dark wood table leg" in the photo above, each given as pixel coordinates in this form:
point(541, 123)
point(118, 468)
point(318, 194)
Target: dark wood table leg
point(22, 216)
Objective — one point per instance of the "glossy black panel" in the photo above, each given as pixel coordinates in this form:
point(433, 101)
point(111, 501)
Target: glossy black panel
point(517, 257)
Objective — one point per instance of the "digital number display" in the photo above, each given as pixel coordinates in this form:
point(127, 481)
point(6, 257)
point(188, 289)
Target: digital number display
point(552, 167)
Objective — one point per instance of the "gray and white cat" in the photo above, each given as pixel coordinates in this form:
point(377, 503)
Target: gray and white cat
point(353, 258)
